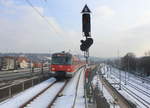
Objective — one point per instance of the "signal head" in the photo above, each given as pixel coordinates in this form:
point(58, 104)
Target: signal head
point(82, 41)
point(86, 44)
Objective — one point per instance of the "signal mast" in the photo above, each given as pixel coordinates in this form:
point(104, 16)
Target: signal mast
point(86, 32)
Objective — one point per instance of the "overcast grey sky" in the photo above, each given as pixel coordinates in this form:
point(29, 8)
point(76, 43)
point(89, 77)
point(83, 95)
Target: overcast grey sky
point(116, 25)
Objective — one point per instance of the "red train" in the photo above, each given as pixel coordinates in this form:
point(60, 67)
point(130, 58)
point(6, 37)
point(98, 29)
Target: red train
point(64, 64)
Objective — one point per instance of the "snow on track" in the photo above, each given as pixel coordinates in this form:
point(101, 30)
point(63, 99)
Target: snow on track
point(45, 98)
point(129, 91)
point(80, 101)
point(132, 83)
point(21, 98)
point(106, 93)
point(66, 101)
point(134, 79)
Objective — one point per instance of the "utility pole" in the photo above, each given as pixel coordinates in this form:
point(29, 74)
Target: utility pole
point(126, 72)
point(128, 67)
point(125, 78)
point(119, 71)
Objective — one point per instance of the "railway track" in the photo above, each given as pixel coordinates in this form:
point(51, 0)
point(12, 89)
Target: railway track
point(135, 87)
point(50, 95)
point(121, 100)
point(135, 81)
point(140, 90)
point(141, 84)
point(57, 94)
point(139, 77)
point(71, 95)
point(54, 89)
point(134, 95)
point(47, 93)
point(144, 102)
point(76, 93)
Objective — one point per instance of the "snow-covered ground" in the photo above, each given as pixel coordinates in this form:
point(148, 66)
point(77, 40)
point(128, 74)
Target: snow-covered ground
point(68, 94)
point(47, 97)
point(24, 96)
point(80, 101)
point(134, 90)
point(97, 82)
point(132, 78)
point(65, 101)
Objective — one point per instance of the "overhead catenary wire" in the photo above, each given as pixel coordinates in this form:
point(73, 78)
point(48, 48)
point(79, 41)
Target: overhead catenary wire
point(42, 16)
point(43, 2)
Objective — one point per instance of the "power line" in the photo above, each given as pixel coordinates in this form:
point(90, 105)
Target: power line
point(42, 16)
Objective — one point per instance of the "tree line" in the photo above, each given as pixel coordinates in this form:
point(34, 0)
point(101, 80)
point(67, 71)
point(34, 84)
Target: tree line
point(138, 65)
point(133, 64)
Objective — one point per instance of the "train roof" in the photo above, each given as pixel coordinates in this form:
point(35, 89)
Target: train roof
point(62, 53)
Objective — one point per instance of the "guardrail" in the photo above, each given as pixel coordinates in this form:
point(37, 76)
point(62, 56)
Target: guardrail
point(22, 74)
point(23, 70)
point(11, 90)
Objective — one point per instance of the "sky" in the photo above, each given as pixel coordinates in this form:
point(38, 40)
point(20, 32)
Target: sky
point(117, 26)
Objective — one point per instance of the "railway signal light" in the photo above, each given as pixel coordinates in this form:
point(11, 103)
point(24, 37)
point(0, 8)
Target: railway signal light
point(85, 44)
point(86, 24)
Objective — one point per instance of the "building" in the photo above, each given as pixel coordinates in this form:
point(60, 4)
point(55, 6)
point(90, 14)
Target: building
point(8, 63)
point(37, 65)
point(23, 62)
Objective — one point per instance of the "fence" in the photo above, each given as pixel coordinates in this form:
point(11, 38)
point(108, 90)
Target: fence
point(11, 90)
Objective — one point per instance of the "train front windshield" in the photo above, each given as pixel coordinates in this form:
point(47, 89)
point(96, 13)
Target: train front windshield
point(61, 60)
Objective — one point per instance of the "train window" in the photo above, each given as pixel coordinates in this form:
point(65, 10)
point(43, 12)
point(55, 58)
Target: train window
point(68, 60)
point(61, 60)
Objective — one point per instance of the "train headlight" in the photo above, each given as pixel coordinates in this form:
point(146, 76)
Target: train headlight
point(68, 69)
point(53, 69)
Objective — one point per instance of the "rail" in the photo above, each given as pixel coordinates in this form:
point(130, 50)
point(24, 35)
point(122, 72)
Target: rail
point(76, 91)
point(134, 95)
point(29, 101)
point(135, 87)
point(54, 99)
point(122, 101)
point(86, 103)
point(141, 100)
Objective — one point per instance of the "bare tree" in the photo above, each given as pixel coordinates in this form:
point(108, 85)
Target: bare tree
point(145, 54)
point(128, 62)
point(149, 53)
